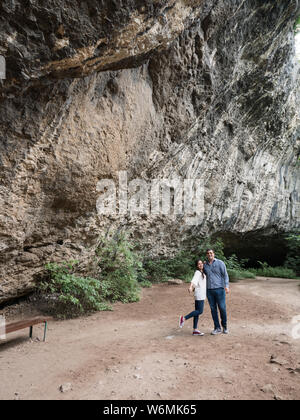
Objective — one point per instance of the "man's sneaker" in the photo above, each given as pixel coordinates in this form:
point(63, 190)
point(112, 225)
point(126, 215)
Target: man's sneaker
point(181, 322)
point(216, 331)
point(225, 331)
point(197, 332)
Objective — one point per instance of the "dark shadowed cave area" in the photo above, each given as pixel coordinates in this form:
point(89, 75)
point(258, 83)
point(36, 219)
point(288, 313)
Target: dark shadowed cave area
point(256, 246)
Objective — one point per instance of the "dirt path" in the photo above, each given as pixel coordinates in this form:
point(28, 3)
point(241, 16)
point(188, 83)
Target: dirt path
point(138, 351)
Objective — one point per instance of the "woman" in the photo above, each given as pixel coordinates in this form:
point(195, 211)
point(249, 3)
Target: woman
point(198, 285)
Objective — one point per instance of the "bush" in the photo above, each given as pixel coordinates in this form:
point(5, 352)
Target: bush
point(215, 244)
point(157, 270)
point(266, 271)
point(145, 284)
point(116, 279)
point(293, 256)
point(71, 295)
point(235, 275)
point(120, 269)
point(182, 266)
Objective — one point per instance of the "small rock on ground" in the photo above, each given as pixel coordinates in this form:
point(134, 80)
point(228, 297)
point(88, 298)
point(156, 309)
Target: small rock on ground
point(65, 387)
point(175, 281)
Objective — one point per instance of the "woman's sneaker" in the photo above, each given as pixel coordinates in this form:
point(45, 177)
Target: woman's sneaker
point(197, 332)
point(181, 321)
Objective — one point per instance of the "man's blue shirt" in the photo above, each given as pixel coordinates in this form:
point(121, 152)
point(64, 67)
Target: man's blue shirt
point(216, 274)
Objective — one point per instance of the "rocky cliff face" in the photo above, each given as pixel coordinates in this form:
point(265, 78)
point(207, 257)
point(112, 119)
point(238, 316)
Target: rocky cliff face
point(160, 89)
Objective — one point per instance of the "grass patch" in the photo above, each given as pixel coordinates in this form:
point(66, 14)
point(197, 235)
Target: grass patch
point(266, 271)
point(235, 275)
point(145, 284)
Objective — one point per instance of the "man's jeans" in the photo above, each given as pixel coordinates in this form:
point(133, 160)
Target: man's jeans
point(199, 307)
point(217, 299)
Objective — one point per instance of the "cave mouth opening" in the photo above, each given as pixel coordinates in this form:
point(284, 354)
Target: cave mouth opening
point(255, 247)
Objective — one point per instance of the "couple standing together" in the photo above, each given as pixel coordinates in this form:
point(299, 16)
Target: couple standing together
point(210, 280)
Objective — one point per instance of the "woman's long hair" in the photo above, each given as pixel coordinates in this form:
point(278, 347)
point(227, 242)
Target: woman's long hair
point(202, 272)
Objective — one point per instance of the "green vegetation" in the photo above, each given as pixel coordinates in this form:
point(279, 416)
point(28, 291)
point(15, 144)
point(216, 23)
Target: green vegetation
point(69, 294)
point(235, 275)
point(235, 268)
point(182, 266)
point(156, 270)
point(266, 271)
point(114, 278)
point(119, 272)
point(145, 284)
point(119, 269)
point(293, 257)
point(291, 267)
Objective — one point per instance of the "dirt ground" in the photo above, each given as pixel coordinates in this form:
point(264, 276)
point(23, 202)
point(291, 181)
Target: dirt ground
point(138, 351)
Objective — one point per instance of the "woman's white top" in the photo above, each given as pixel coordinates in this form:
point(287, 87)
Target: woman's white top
point(199, 281)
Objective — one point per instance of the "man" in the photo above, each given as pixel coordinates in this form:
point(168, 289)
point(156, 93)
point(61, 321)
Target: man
point(217, 288)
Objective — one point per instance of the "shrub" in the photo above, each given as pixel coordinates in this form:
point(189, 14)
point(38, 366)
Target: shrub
point(120, 269)
point(266, 271)
point(293, 256)
point(157, 271)
point(182, 266)
point(235, 275)
point(215, 244)
point(71, 295)
point(145, 284)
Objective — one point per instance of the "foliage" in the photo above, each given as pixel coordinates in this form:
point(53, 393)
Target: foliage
point(266, 271)
point(121, 272)
point(120, 267)
point(145, 284)
point(235, 275)
point(156, 270)
point(215, 244)
point(71, 295)
point(235, 267)
point(293, 256)
point(181, 266)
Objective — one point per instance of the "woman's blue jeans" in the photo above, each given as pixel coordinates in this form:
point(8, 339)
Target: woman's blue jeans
point(217, 300)
point(199, 308)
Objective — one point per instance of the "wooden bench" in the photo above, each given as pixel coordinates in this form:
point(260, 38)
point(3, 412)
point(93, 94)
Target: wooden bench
point(20, 325)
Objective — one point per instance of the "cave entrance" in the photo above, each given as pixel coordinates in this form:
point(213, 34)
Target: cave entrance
point(256, 247)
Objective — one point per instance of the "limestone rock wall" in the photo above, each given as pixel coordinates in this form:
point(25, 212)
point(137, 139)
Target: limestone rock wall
point(160, 89)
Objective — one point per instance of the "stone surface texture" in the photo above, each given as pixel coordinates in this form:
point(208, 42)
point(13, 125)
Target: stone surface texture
point(160, 89)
